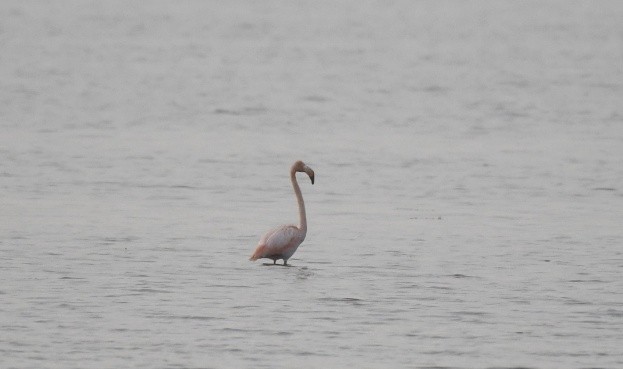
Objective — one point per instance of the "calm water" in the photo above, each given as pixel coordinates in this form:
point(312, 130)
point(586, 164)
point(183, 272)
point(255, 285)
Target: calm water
point(467, 207)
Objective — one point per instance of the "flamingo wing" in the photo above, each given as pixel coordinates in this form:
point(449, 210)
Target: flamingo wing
point(277, 241)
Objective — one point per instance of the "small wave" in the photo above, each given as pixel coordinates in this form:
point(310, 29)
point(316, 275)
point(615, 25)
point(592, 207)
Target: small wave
point(459, 275)
point(604, 189)
point(348, 300)
point(247, 111)
point(196, 317)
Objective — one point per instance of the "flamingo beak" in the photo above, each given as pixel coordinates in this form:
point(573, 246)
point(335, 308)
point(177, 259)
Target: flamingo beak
point(310, 173)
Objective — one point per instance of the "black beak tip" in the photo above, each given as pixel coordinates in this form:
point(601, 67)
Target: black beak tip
point(312, 179)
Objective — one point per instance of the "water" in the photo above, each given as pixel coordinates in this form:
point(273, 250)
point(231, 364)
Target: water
point(466, 212)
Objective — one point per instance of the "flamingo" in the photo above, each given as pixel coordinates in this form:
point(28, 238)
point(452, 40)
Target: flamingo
point(282, 242)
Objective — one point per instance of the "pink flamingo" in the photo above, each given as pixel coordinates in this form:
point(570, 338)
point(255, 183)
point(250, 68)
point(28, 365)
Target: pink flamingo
point(282, 242)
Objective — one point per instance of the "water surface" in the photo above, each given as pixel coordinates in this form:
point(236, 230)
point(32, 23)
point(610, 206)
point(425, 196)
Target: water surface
point(466, 211)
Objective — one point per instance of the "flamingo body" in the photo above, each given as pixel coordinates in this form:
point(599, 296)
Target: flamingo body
point(279, 243)
point(282, 242)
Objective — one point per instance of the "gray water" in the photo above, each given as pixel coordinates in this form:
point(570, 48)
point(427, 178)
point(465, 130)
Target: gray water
point(466, 212)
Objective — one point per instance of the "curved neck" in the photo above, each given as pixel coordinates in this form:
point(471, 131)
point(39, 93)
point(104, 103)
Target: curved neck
point(299, 199)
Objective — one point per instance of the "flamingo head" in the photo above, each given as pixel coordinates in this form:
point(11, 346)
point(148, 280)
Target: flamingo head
point(299, 166)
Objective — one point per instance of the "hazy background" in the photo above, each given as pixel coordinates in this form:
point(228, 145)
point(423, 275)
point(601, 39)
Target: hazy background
point(467, 207)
